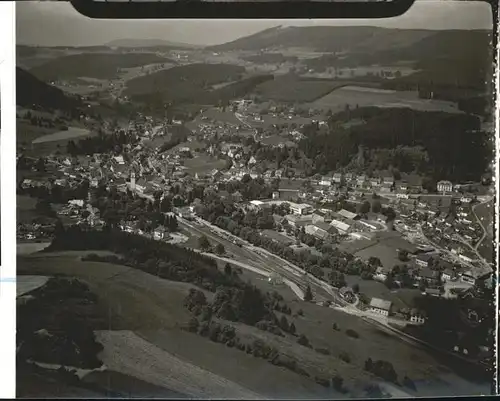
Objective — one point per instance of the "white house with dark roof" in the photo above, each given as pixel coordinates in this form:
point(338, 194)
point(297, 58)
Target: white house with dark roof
point(361, 181)
point(380, 306)
point(476, 275)
point(338, 178)
point(448, 275)
point(422, 260)
point(444, 186)
point(326, 181)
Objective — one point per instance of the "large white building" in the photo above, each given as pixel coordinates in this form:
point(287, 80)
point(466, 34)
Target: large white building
point(300, 208)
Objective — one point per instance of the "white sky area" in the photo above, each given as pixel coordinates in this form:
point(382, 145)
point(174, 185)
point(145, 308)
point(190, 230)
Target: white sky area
point(59, 24)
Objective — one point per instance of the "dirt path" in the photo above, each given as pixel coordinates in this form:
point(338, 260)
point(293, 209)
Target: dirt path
point(129, 354)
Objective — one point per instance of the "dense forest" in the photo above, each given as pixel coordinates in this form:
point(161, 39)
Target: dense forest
point(442, 145)
point(199, 74)
point(93, 65)
point(193, 84)
point(31, 91)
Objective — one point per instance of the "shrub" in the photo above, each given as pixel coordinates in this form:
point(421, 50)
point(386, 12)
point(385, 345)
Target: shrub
point(407, 382)
point(322, 381)
point(203, 329)
point(323, 351)
point(338, 383)
point(284, 324)
point(382, 369)
point(303, 340)
point(344, 356)
point(302, 371)
point(193, 325)
point(352, 333)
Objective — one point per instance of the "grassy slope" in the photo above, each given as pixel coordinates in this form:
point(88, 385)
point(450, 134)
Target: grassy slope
point(152, 308)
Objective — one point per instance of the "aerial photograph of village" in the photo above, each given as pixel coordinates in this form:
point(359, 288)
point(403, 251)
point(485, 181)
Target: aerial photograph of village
point(255, 209)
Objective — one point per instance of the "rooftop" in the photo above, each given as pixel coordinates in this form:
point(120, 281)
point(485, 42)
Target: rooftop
point(380, 304)
point(340, 225)
point(347, 214)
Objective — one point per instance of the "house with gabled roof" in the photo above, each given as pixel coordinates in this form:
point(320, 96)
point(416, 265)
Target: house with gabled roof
point(380, 306)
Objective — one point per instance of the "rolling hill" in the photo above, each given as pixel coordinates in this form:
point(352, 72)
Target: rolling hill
point(199, 74)
point(31, 91)
point(93, 65)
point(327, 39)
point(144, 43)
point(357, 39)
point(193, 84)
point(460, 58)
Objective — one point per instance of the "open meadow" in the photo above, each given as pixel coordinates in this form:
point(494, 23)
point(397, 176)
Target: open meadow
point(357, 96)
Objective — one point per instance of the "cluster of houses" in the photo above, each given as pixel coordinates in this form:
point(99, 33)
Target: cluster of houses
point(323, 223)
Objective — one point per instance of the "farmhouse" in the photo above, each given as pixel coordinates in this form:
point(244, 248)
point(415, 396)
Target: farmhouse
point(417, 316)
point(380, 306)
point(160, 233)
point(476, 275)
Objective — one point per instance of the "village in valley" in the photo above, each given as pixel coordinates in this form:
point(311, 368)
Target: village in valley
point(406, 237)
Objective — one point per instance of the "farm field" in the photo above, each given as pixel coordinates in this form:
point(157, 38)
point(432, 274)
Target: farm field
point(25, 209)
point(401, 298)
point(128, 353)
point(203, 164)
point(387, 254)
point(287, 89)
point(222, 116)
point(71, 133)
point(359, 96)
point(27, 133)
point(25, 284)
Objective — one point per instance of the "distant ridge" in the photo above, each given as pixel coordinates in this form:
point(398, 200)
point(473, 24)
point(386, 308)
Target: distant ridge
point(343, 39)
point(142, 43)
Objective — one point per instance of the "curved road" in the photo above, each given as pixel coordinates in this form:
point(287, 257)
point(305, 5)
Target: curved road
point(485, 230)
